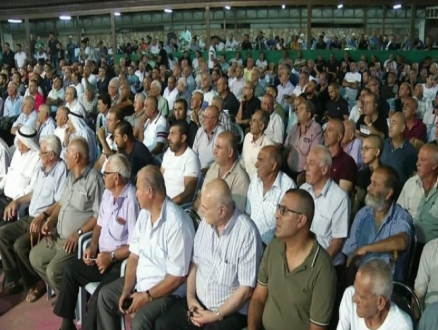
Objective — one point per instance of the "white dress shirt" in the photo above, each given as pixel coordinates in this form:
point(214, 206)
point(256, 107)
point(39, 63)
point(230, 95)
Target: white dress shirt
point(170, 97)
point(5, 158)
point(250, 151)
point(275, 129)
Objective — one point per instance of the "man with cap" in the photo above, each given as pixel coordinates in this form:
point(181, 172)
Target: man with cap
point(24, 165)
point(76, 127)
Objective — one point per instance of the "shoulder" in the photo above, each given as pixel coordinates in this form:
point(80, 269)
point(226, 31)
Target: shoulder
point(286, 181)
point(322, 260)
point(402, 214)
point(398, 318)
point(337, 192)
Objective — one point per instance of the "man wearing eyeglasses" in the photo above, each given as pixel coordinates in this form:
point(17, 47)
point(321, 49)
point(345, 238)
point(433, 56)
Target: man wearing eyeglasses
point(102, 259)
point(295, 271)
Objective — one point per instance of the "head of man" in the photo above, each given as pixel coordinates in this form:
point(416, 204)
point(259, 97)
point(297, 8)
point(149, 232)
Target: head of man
point(12, 89)
point(139, 99)
point(117, 172)
point(217, 203)
point(123, 135)
point(305, 112)
point(372, 288)
point(62, 116)
point(311, 88)
point(333, 91)
point(70, 94)
point(28, 105)
point(304, 79)
point(269, 161)
point(404, 90)
point(27, 139)
point(76, 155)
point(373, 84)
point(206, 81)
point(370, 105)
point(267, 103)
point(150, 187)
point(371, 148)
point(180, 109)
point(43, 113)
point(383, 189)
point(222, 85)
point(349, 132)
point(171, 83)
point(196, 100)
point(211, 118)
point(397, 125)
point(418, 91)
point(151, 107)
point(318, 165)
point(178, 133)
point(225, 148)
point(410, 108)
point(294, 214)
point(103, 103)
point(248, 90)
point(259, 122)
point(239, 72)
point(181, 85)
point(427, 163)
point(255, 76)
point(147, 84)
point(155, 89)
point(50, 150)
point(334, 133)
point(218, 102)
point(114, 117)
point(113, 87)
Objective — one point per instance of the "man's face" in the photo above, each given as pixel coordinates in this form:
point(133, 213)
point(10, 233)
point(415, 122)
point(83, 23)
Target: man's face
point(376, 191)
point(369, 151)
point(221, 86)
point(247, 91)
point(61, 118)
point(175, 139)
point(179, 112)
point(111, 123)
point(264, 164)
point(302, 114)
point(221, 151)
point(27, 108)
point(69, 96)
point(57, 83)
point(409, 109)
point(12, 90)
point(255, 124)
point(369, 106)
point(333, 93)
point(426, 163)
point(287, 225)
point(195, 102)
point(210, 120)
point(396, 127)
point(366, 302)
point(313, 168)
point(22, 147)
point(120, 140)
point(331, 135)
point(171, 83)
point(266, 105)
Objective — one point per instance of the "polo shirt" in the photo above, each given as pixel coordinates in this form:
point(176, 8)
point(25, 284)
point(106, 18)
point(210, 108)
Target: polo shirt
point(12, 108)
point(426, 283)
point(237, 180)
point(363, 178)
point(231, 104)
point(139, 157)
point(275, 129)
point(379, 124)
point(332, 215)
point(337, 109)
point(343, 168)
point(155, 131)
point(249, 107)
point(204, 144)
point(250, 152)
point(402, 159)
point(299, 297)
point(417, 131)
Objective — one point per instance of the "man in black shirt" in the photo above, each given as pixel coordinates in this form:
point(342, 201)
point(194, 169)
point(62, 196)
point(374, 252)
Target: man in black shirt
point(337, 106)
point(310, 95)
point(230, 101)
point(180, 113)
point(248, 105)
point(246, 44)
point(371, 122)
point(8, 56)
point(53, 51)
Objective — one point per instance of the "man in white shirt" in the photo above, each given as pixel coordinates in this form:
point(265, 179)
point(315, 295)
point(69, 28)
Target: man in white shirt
point(5, 158)
point(266, 190)
point(302, 84)
point(27, 117)
point(20, 57)
point(430, 88)
point(46, 124)
point(185, 38)
point(160, 252)
point(223, 271)
point(212, 52)
point(207, 90)
point(332, 205)
point(180, 167)
point(367, 304)
point(88, 78)
point(76, 127)
point(238, 83)
point(61, 122)
point(72, 102)
point(56, 95)
point(275, 129)
point(351, 83)
point(170, 92)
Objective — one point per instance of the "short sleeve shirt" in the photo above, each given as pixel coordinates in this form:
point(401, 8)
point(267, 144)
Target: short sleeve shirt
point(343, 168)
point(379, 124)
point(155, 131)
point(337, 109)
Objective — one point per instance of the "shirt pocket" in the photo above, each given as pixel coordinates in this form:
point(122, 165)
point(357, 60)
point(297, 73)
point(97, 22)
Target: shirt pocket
point(226, 274)
point(81, 201)
point(160, 253)
point(117, 230)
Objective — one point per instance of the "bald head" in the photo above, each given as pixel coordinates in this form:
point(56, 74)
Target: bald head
point(80, 146)
point(212, 111)
point(217, 193)
point(44, 108)
point(338, 126)
point(400, 117)
point(274, 154)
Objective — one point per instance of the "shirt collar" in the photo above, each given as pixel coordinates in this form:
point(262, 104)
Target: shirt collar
point(51, 170)
point(230, 225)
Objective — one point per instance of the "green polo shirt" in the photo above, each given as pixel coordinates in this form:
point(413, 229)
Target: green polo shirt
point(296, 298)
point(426, 225)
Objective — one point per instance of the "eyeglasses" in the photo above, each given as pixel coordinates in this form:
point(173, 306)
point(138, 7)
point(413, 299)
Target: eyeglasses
point(108, 173)
point(367, 148)
point(282, 209)
point(44, 152)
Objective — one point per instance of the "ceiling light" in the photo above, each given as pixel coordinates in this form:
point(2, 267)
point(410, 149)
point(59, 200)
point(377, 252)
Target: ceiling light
point(397, 6)
point(340, 6)
point(227, 7)
point(117, 13)
point(283, 6)
point(167, 10)
point(65, 17)
point(15, 20)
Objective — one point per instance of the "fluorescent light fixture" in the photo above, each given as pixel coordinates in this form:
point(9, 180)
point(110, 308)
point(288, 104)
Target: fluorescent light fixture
point(12, 20)
point(117, 13)
point(227, 7)
point(397, 6)
point(65, 17)
point(167, 10)
point(283, 6)
point(340, 6)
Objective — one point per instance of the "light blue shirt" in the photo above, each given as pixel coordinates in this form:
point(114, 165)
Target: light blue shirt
point(12, 108)
point(47, 128)
point(26, 120)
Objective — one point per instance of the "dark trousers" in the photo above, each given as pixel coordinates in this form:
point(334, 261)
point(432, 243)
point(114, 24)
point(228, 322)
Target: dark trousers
point(77, 274)
point(176, 319)
point(15, 248)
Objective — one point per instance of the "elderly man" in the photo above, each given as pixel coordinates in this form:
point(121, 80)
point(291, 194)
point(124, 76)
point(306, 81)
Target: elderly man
point(13, 102)
point(56, 95)
point(332, 205)
point(72, 102)
point(352, 145)
point(61, 119)
point(382, 226)
point(371, 121)
point(254, 141)
point(206, 136)
point(113, 90)
point(27, 117)
point(227, 167)
point(45, 125)
point(78, 128)
point(156, 128)
point(162, 104)
point(135, 118)
point(344, 169)
point(170, 92)
point(160, 252)
point(102, 259)
point(207, 90)
point(196, 112)
point(180, 167)
point(368, 305)
point(248, 105)
point(259, 91)
point(89, 100)
point(275, 129)
point(295, 271)
point(304, 135)
point(235, 267)
point(224, 118)
point(183, 92)
point(415, 130)
point(266, 190)
point(73, 215)
point(15, 242)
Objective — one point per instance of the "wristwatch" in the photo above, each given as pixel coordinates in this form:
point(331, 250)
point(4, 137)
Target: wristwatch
point(150, 298)
point(113, 257)
point(80, 232)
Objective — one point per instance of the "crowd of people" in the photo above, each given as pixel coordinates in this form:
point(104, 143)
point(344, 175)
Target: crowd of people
point(314, 183)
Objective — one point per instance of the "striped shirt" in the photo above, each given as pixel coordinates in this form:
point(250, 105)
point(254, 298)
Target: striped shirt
point(426, 283)
point(226, 262)
point(363, 232)
point(262, 207)
point(155, 131)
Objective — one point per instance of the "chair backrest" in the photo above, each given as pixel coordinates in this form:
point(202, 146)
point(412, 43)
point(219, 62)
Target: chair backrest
point(195, 218)
point(413, 261)
point(406, 299)
point(238, 132)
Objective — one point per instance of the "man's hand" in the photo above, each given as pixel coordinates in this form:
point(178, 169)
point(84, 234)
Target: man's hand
point(142, 121)
point(10, 211)
point(71, 243)
point(357, 254)
point(36, 224)
point(103, 261)
point(101, 134)
point(139, 299)
point(203, 317)
point(194, 304)
point(89, 253)
point(122, 298)
point(47, 228)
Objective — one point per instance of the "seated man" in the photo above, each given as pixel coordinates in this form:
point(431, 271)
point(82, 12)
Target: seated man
point(56, 95)
point(254, 140)
point(368, 305)
point(227, 168)
point(295, 271)
point(371, 122)
point(266, 190)
point(415, 131)
point(61, 123)
point(275, 129)
point(74, 214)
point(15, 243)
point(5, 158)
point(206, 136)
point(218, 301)
point(24, 164)
point(352, 145)
point(103, 258)
point(160, 252)
point(382, 226)
point(180, 167)
point(135, 151)
point(397, 151)
point(332, 205)
point(180, 113)
point(27, 117)
point(46, 125)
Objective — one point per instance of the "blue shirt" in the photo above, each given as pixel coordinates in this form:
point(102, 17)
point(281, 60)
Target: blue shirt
point(363, 232)
point(12, 108)
point(26, 120)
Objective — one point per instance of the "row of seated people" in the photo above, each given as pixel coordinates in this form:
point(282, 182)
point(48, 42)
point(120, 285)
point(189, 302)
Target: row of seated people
point(262, 192)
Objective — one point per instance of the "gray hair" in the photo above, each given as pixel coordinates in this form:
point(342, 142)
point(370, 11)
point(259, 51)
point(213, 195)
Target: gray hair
point(53, 144)
point(264, 118)
point(324, 155)
point(81, 145)
point(74, 91)
point(156, 84)
point(44, 107)
point(380, 277)
point(152, 177)
point(116, 81)
point(183, 80)
point(120, 164)
point(141, 96)
point(218, 101)
point(30, 100)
